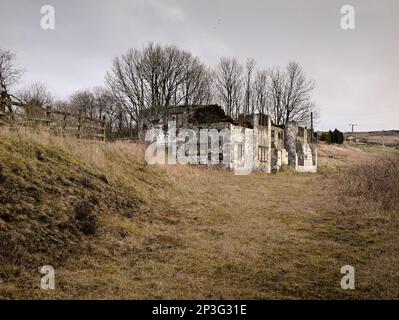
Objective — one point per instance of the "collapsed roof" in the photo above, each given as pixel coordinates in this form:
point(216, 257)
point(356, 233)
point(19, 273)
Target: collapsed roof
point(208, 114)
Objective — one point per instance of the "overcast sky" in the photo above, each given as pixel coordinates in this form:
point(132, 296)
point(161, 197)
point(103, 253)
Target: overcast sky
point(356, 71)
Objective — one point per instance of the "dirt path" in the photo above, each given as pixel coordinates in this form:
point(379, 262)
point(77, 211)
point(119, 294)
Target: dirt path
point(232, 237)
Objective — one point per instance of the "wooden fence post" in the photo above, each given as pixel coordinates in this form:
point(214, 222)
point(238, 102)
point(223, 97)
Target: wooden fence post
point(48, 116)
point(104, 128)
point(80, 127)
point(64, 131)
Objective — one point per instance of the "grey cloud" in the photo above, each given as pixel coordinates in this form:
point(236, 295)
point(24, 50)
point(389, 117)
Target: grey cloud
point(357, 72)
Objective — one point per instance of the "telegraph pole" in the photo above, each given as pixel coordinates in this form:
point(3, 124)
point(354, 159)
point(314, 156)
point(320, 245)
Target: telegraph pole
point(311, 127)
point(352, 125)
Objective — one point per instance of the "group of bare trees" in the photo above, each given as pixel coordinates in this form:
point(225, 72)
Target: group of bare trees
point(159, 76)
point(33, 97)
point(228, 84)
point(101, 103)
point(284, 94)
point(290, 93)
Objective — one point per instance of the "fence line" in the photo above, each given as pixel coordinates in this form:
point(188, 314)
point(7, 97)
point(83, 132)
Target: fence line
point(59, 122)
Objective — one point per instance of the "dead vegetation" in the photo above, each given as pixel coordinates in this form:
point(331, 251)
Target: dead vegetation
point(376, 181)
point(51, 195)
point(115, 228)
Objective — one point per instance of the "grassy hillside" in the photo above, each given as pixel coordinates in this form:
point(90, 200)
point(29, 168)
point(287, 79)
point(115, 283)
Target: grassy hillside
point(387, 137)
point(115, 228)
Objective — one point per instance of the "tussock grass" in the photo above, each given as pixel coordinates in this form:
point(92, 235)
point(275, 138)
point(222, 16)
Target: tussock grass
point(376, 181)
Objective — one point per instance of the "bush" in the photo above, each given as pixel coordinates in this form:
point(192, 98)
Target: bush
point(335, 136)
point(377, 181)
point(11, 247)
point(325, 136)
point(86, 217)
point(2, 174)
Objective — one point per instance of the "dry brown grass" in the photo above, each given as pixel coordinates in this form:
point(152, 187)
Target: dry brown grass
point(376, 181)
point(198, 232)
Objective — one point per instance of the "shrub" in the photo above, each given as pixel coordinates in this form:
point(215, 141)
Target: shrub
point(11, 247)
point(377, 181)
point(87, 183)
point(335, 136)
point(2, 174)
point(86, 217)
point(325, 136)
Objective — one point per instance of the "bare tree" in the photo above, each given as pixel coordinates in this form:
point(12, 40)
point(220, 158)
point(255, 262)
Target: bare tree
point(302, 114)
point(100, 103)
point(108, 108)
point(164, 71)
point(204, 87)
point(9, 76)
point(291, 95)
point(276, 91)
point(297, 94)
point(158, 76)
point(35, 99)
point(83, 101)
point(62, 105)
point(127, 82)
point(229, 84)
point(261, 94)
point(248, 105)
point(103, 101)
point(196, 87)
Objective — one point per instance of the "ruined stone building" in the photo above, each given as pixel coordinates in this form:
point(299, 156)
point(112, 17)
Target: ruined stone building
point(271, 146)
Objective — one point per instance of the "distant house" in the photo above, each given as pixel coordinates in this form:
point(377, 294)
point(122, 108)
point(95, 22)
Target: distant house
point(273, 146)
point(351, 139)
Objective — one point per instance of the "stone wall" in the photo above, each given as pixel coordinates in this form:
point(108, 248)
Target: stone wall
point(302, 155)
point(271, 146)
point(262, 143)
point(291, 137)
